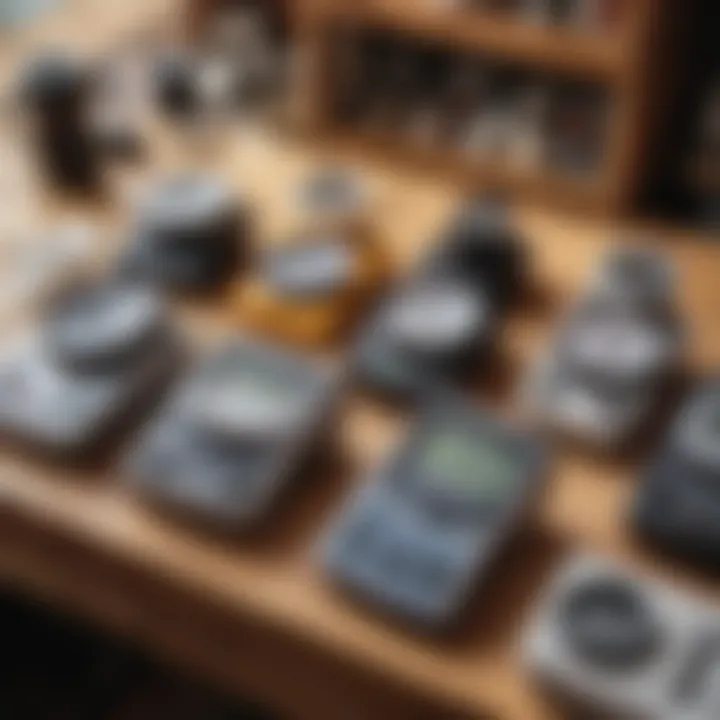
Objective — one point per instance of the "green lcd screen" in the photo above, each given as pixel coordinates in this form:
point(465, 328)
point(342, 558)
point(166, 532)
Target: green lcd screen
point(460, 461)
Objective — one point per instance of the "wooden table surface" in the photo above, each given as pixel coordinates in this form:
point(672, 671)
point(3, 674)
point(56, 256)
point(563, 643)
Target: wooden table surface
point(255, 614)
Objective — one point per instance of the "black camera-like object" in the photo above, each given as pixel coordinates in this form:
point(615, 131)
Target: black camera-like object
point(191, 235)
point(439, 327)
point(56, 91)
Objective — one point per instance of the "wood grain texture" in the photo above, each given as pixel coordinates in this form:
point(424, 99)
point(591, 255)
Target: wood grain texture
point(255, 614)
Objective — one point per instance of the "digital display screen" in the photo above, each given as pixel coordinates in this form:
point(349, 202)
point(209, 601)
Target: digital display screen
point(249, 397)
point(436, 316)
point(460, 461)
point(243, 380)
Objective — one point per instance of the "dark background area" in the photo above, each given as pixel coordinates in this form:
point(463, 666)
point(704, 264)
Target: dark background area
point(669, 191)
point(53, 668)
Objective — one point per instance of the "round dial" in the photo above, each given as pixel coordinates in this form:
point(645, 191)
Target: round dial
point(311, 269)
point(101, 329)
point(437, 317)
point(608, 623)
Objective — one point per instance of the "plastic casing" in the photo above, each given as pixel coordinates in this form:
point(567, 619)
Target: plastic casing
point(170, 464)
point(396, 546)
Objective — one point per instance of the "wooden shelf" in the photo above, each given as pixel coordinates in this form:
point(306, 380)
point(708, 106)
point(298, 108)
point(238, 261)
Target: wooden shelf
point(564, 50)
point(580, 190)
point(621, 59)
point(628, 59)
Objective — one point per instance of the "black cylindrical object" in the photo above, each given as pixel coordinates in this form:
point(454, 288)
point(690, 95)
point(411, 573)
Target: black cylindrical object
point(192, 235)
point(483, 246)
point(56, 90)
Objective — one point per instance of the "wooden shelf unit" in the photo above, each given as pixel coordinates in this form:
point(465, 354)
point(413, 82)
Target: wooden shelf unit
point(563, 50)
point(620, 59)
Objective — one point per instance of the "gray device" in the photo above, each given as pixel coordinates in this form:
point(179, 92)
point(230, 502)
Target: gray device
point(102, 351)
point(235, 433)
point(428, 334)
point(614, 355)
point(610, 645)
point(418, 537)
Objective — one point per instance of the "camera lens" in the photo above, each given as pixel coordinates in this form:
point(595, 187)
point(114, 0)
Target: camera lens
point(608, 623)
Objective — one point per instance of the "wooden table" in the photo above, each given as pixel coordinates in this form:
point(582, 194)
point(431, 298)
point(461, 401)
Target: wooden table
point(256, 615)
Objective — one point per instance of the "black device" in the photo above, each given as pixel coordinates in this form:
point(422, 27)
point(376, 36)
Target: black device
point(430, 333)
point(56, 90)
point(103, 352)
point(438, 328)
point(235, 434)
point(482, 247)
point(418, 538)
point(191, 235)
point(678, 505)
